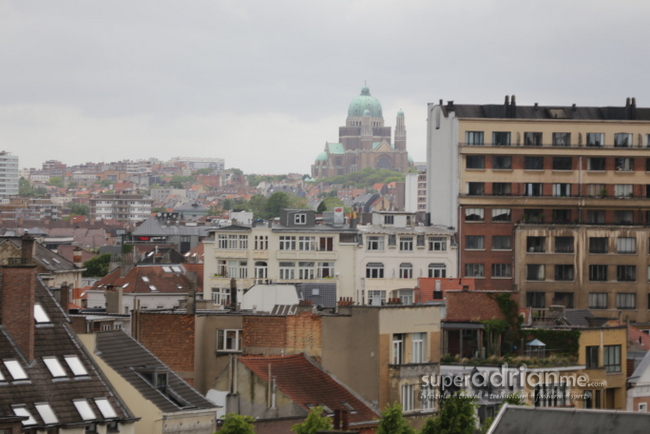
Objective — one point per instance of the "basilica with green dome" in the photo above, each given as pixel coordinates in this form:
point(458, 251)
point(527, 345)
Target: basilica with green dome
point(364, 141)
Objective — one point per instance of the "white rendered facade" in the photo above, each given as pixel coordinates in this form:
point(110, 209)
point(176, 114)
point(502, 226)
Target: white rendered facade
point(121, 207)
point(8, 174)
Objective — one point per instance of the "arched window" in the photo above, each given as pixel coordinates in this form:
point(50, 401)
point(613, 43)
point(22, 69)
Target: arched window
point(437, 270)
point(261, 270)
point(375, 270)
point(405, 270)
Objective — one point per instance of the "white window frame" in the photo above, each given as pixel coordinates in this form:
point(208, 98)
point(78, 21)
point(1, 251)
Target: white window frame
point(300, 219)
point(626, 245)
point(306, 270)
point(228, 337)
point(437, 270)
point(375, 242)
point(406, 243)
point(438, 244)
point(287, 270)
point(307, 243)
point(405, 270)
point(287, 242)
point(325, 270)
point(408, 397)
point(418, 343)
point(398, 349)
point(375, 270)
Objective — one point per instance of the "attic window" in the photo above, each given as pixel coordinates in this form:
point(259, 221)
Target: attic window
point(105, 407)
point(557, 113)
point(16, 371)
point(125, 285)
point(179, 287)
point(167, 269)
point(348, 407)
point(46, 413)
point(54, 366)
point(326, 409)
point(75, 365)
point(177, 269)
point(153, 288)
point(84, 409)
point(21, 410)
point(56, 261)
point(39, 314)
point(45, 261)
point(145, 278)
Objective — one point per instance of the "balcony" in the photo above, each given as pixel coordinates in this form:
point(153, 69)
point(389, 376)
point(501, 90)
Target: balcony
point(412, 370)
point(306, 255)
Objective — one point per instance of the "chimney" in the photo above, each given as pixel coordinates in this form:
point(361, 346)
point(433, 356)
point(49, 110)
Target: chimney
point(18, 296)
point(114, 299)
point(450, 106)
point(513, 107)
point(191, 297)
point(345, 424)
point(76, 257)
point(506, 105)
point(233, 295)
point(64, 296)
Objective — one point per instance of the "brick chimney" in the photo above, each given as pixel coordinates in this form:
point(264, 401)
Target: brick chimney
point(17, 298)
point(76, 257)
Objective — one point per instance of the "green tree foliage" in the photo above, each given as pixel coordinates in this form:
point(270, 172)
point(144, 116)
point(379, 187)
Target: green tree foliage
point(179, 181)
point(78, 209)
point(158, 209)
point(205, 171)
point(56, 181)
point(314, 422)
point(393, 422)
point(254, 180)
point(237, 424)
point(365, 178)
point(275, 202)
point(456, 416)
point(322, 207)
point(25, 189)
point(97, 266)
point(227, 204)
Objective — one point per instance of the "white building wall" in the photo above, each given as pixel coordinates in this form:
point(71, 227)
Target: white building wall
point(8, 174)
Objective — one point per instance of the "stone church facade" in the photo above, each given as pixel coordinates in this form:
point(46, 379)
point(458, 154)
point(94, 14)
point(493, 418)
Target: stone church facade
point(364, 141)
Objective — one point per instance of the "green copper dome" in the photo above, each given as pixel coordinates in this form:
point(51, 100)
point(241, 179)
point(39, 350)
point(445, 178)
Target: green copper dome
point(322, 156)
point(364, 102)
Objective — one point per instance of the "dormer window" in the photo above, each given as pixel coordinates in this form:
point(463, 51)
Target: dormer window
point(155, 377)
point(300, 219)
point(389, 219)
point(39, 314)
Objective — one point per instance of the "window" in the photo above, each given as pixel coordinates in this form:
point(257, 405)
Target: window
point(533, 189)
point(475, 162)
point(623, 140)
point(376, 297)
point(596, 217)
point(418, 347)
point(501, 270)
point(47, 414)
point(287, 270)
point(561, 139)
point(596, 163)
point(406, 244)
point(475, 188)
point(501, 242)
point(501, 188)
point(564, 244)
point(474, 242)
point(243, 269)
point(533, 163)
point(612, 358)
point(437, 270)
point(405, 270)
point(261, 270)
point(229, 340)
point(243, 242)
point(39, 314)
point(501, 162)
point(596, 190)
point(563, 299)
point(535, 272)
point(564, 272)
point(389, 220)
point(300, 219)
point(21, 410)
point(596, 140)
point(54, 366)
point(474, 270)
point(306, 270)
point(287, 243)
point(551, 395)
point(626, 301)
point(536, 244)
point(261, 242)
point(408, 397)
point(533, 215)
point(222, 241)
point(474, 138)
point(536, 300)
point(598, 273)
point(105, 408)
point(501, 138)
point(232, 242)
point(626, 273)
point(75, 365)
point(562, 163)
point(375, 270)
point(624, 164)
point(623, 217)
point(562, 190)
point(392, 240)
point(598, 244)
point(84, 409)
point(438, 244)
point(325, 270)
point(375, 242)
point(642, 407)
point(626, 245)
point(420, 240)
point(501, 215)
point(597, 300)
point(326, 244)
point(220, 296)
point(398, 349)
point(306, 243)
point(474, 215)
point(16, 371)
point(561, 216)
point(532, 139)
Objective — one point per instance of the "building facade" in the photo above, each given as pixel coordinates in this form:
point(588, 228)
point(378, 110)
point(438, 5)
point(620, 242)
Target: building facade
point(8, 174)
point(364, 141)
point(567, 174)
point(121, 207)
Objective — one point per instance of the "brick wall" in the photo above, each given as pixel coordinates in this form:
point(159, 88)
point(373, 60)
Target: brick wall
point(304, 334)
point(472, 306)
point(18, 298)
point(300, 333)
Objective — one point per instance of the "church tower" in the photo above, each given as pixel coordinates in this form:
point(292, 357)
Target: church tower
point(400, 132)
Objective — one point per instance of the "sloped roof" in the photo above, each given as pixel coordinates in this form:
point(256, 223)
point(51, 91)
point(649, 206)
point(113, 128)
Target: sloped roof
point(639, 338)
point(335, 148)
point(152, 227)
point(305, 383)
point(56, 339)
point(148, 279)
point(67, 253)
point(641, 369)
point(125, 356)
point(45, 258)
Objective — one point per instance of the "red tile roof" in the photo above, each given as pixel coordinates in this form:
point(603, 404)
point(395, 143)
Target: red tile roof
point(427, 285)
point(639, 338)
point(144, 279)
point(305, 383)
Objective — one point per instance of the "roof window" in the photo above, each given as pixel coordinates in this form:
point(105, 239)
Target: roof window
point(39, 314)
point(16, 371)
point(166, 269)
point(105, 408)
point(75, 365)
point(46, 413)
point(21, 410)
point(54, 366)
point(145, 278)
point(84, 409)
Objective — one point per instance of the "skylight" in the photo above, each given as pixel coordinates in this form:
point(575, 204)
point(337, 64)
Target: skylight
point(177, 269)
point(84, 409)
point(153, 288)
point(46, 412)
point(16, 371)
point(56, 260)
point(2, 377)
point(45, 261)
point(39, 314)
point(54, 366)
point(145, 278)
point(105, 407)
point(125, 285)
point(75, 365)
point(166, 269)
point(21, 410)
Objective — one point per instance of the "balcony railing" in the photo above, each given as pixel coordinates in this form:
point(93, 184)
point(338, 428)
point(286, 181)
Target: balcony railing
point(551, 145)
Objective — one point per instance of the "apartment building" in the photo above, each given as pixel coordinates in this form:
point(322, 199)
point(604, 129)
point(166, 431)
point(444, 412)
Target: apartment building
point(8, 174)
point(415, 192)
point(563, 174)
point(121, 207)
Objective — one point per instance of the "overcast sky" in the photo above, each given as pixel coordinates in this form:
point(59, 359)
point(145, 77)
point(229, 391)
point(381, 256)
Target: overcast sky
point(264, 84)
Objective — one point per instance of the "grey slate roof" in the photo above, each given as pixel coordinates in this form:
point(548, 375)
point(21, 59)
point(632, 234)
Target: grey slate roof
point(152, 227)
point(638, 372)
point(538, 420)
point(124, 355)
point(498, 111)
point(54, 339)
point(45, 257)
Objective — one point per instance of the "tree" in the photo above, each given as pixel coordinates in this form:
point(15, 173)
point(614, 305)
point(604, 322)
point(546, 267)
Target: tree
point(56, 181)
point(97, 266)
point(322, 207)
point(314, 422)
point(227, 204)
point(456, 416)
point(237, 424)
point(78, 209)
point(275, 202)
point(393, 422)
